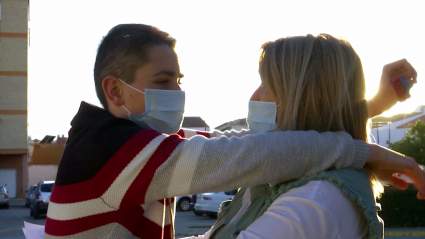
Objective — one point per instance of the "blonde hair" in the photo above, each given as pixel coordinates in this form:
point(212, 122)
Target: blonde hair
point(319, 83)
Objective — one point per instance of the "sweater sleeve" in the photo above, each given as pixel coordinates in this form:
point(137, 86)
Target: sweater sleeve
point(189, 133)
point(151, 166)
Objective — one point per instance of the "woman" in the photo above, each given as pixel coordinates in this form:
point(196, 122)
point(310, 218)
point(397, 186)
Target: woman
point(308, 83)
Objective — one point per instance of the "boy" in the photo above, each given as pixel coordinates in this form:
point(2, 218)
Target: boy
point(123, 166)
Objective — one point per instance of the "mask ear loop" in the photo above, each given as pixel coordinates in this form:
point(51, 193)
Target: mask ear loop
point(132, 87)
point(126, 109)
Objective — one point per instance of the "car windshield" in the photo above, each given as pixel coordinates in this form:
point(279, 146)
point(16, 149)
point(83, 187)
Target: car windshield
point(46, 187)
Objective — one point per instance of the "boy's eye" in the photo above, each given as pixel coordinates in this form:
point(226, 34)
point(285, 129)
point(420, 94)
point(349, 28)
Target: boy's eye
point(162, 82)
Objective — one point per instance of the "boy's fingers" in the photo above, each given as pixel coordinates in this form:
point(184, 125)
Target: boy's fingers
point(401, 67)
point(398, 183)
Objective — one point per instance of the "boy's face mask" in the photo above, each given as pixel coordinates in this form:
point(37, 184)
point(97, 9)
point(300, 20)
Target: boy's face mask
point(261, 116)
point(163, 110)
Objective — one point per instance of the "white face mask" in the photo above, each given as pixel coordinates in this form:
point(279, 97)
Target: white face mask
point(261, 116)
point(163, 110)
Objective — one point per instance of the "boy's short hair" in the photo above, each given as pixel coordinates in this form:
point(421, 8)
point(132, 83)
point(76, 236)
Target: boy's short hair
point(123, 50)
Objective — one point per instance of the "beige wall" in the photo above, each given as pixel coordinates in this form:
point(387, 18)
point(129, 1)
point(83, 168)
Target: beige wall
point(13, 53)
point(13, 93)
point(13, 90)
point(36, 173)
point(13, 132)
point(13, 76)
point(14, 16)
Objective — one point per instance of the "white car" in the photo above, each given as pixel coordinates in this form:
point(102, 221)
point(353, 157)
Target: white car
point(40, 198)
point(183, 203)
point(209, 203)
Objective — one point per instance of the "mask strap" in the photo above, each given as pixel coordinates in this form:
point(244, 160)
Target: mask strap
point(126, 109)
point(132, 87)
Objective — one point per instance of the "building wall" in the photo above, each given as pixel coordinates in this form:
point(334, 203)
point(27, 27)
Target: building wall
point(392, 132)
point(387, 133)
point(13, 89)
point(13, 74)
point(36, 173)
point(20, 163)
point(198, 128)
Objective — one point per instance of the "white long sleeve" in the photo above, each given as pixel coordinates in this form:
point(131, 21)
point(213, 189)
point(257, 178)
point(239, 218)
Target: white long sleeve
point(315, 210)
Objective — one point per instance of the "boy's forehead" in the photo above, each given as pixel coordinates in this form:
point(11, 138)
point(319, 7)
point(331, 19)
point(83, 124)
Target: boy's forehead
point(162, 60)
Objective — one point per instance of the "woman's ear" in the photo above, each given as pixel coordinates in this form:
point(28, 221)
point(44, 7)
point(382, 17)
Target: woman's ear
point(112, 90)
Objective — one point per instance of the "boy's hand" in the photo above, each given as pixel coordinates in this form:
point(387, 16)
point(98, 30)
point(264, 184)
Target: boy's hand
point(386, 96)
point(384, 163)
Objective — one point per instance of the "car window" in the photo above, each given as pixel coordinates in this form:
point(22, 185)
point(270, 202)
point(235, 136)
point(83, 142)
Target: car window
point(2, 190)
point(46, 187)
point(231, 192)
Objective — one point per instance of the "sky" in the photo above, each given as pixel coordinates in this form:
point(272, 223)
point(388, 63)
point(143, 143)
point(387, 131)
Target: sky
point(218, 45)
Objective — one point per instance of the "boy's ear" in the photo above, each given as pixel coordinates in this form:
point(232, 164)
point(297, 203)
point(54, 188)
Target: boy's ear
point(112, 90)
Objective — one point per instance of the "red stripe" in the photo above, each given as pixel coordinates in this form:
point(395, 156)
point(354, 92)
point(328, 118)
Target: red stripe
point(148, 229)
point(112, 169)
point(130, 219)
point(181, 133)
point(168, 232)
point(204, 133)
point(70, 193)
point(98, 185)
point(136, 193)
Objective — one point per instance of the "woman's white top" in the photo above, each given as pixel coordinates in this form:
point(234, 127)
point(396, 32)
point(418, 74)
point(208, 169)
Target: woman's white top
point(316, 210)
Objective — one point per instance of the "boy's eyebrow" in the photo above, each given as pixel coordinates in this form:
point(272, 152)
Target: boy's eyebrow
point(168, 73)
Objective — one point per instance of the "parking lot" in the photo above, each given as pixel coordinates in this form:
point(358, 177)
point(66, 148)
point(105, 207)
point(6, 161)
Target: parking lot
point(187, 224)
point(12, 221)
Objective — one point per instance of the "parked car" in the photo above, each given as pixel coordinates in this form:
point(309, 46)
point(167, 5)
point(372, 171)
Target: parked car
point(209, 203)
point(40, 198)
point(183, 203)
point(193, 201)
point(4, 197)
point(29, 192)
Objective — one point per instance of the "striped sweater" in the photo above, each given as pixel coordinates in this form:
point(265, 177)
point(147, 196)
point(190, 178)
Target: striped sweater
point(116, 180)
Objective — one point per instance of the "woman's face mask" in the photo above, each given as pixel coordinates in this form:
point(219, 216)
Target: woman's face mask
point(261, 116)
point(262, 111)
point(163, 110)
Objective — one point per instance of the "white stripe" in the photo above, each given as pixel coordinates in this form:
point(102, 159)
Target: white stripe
point(69, 211)
point(154, 211)
point(188, 133)
point(115, 193)
point(185, 167)
point(111, 230)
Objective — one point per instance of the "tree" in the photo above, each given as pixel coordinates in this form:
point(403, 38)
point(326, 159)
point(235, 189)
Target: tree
point(413, 143)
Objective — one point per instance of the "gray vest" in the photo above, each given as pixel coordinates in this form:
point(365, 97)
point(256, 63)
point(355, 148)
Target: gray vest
point(354, 184)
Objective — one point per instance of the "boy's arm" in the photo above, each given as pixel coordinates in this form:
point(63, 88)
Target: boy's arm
point(189, 133)
point(152, 166)
point(386, 96)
